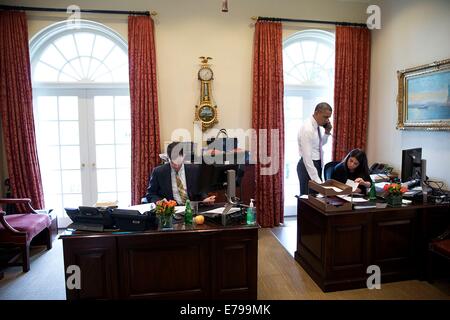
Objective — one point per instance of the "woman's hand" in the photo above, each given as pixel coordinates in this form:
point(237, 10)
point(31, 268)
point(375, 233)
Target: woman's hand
point(362, 182)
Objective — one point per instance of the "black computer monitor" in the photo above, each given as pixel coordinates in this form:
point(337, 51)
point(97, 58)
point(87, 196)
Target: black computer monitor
point(411, 164)
point(213, 177)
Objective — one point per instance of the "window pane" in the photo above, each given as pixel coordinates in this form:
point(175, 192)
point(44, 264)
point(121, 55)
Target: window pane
point(69, 73)
point(106, 180)
point(104, 108)
point(106, 197)
point(122, 107)
point(116, 58)
point(69, 133)
point(44, 73)
point(120, 74)
point(66, 46)
point(123, 156)
point(123, 179)
point(70, 157)
point(54, 201)
point(53, 57)
point(101, 47)
point(51, 182)
point(123, 131)
point(73, 201)
point(309, 50)
point(48, 133)
point(105, 156)
point(84, 43)
point(47, 108)
point(68, 108)
point(124, 199)
point(49, 158)
point(71, 181)
point(104, 132)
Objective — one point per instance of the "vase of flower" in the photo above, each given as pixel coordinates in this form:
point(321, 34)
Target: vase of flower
point(394, 194)
point(394, 200)
point(165, 211)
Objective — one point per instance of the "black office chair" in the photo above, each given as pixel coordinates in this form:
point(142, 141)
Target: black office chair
point(328, 169)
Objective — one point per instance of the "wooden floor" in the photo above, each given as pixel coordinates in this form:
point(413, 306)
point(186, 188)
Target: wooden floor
point(281, 277)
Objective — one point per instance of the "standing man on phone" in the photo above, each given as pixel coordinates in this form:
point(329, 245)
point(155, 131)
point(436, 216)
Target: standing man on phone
point(310, 142)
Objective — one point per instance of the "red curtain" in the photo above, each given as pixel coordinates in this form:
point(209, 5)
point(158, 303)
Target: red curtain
point(351, 90)
point(267, 113)
point(145, 145)
point(16, 108)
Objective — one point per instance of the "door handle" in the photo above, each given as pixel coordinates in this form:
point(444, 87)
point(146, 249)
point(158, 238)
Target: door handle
point(93, 164)
point(83, 165)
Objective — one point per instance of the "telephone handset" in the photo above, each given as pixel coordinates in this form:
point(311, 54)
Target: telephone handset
point(378, 168)
point(327, 125)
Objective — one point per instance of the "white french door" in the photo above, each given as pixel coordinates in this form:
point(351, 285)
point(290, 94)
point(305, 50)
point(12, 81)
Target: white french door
point(84, 143)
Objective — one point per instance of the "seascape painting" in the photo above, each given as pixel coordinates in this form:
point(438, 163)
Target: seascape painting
point(423, 99)
point(429, 97)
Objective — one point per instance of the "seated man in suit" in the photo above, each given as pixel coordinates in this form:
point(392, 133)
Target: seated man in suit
point(176, 180)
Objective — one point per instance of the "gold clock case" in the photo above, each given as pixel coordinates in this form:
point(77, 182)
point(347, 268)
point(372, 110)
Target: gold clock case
point(207, 114)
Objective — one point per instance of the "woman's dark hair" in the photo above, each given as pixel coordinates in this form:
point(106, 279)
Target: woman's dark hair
point(360, 155)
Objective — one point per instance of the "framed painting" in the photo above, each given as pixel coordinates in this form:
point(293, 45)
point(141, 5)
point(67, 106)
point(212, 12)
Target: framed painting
point(424, 97)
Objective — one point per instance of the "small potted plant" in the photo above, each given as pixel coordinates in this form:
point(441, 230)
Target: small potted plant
point(165, 211)
point(395, 193)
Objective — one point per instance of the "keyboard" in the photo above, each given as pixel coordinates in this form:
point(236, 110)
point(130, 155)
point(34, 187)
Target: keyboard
point(86, 227)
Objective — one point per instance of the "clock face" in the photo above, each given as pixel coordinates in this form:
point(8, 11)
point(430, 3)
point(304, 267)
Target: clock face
point(205, 74)
point(206, 113)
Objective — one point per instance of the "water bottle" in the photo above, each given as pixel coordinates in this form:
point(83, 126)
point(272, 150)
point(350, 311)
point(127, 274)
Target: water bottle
point(188, 213)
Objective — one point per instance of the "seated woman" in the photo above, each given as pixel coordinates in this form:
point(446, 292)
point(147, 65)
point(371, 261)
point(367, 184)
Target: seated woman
point(353, 167)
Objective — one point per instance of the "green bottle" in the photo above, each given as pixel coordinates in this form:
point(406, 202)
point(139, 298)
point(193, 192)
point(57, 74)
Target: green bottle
point(188, 213)
point(372, 192)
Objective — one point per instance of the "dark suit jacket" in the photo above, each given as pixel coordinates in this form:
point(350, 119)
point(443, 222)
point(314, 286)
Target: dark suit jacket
point(160, 185)
point(341, 175)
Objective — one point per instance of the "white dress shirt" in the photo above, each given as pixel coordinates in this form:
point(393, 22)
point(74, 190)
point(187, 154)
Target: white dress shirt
point(309, 146)
point(181, 173)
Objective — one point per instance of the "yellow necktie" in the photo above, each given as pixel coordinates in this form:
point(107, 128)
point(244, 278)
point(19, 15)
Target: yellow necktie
point(181, 190)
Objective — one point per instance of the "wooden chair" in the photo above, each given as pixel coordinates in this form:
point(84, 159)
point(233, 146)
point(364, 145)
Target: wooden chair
point(18, 230)
point(438, 248)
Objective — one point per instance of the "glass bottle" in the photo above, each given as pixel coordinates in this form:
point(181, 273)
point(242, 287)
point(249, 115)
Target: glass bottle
point(188, 213)
point(372, 192)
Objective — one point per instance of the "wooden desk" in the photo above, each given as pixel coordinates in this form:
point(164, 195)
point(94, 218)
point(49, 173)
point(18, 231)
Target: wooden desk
point(207, 262)
point(335, 248)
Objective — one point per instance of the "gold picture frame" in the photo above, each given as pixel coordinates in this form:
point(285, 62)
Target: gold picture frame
point(424, 97)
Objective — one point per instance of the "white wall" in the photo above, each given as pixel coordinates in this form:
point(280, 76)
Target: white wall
point(412, 33)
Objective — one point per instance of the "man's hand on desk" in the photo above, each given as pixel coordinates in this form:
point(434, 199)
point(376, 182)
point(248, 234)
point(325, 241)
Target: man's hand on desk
point(209, 200)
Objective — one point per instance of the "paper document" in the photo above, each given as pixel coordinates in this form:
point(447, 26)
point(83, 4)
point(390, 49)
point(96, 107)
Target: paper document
point(179, 209)
point(142, 208)
point(220, 210)
point(334, 188)
point(352, 184)
point(304, 196)
point(349, 199)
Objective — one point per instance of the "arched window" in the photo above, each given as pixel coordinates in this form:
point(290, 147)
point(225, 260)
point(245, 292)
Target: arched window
point(308, 65)
point(82, 114)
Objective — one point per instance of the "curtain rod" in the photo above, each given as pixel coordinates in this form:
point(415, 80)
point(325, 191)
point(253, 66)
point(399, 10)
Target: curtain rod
point(141, 13)
point(310, 21)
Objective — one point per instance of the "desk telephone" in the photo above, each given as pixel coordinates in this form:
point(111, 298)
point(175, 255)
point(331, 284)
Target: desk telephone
point(380, 168)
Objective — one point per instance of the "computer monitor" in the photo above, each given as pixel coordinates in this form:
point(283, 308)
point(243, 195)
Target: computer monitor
point(411, 164)
point(214, 177)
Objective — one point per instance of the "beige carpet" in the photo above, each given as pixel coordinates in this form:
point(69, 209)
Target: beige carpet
point(279, 277)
